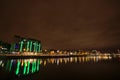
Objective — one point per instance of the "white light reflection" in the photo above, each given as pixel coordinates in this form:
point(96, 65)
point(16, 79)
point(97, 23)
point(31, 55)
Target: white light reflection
point(85, 59)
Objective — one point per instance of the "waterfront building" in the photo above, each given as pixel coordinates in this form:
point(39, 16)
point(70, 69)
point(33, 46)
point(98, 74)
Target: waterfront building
point(22, 44)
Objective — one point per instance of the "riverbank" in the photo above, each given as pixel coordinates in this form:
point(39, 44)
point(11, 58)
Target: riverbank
point(51, 55)
point(37, 55)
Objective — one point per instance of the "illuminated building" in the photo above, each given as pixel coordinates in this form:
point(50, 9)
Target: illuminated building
point(26, 45)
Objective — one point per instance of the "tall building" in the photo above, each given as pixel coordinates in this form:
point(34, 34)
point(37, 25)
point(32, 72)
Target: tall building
point(23, 44)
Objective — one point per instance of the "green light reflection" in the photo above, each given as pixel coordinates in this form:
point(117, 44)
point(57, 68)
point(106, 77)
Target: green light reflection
point(24, 70)
point(28, 68)
point(18, 67)
point(23, 66)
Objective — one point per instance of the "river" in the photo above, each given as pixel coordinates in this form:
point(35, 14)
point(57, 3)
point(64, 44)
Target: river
point(69, 68)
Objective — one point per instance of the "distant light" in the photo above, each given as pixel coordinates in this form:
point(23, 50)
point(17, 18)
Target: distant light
point(24, 49)
point(71, 53)
point(58, 51)
point(2, 65)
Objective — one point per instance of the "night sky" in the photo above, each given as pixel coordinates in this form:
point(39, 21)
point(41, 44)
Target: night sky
point(62, 24)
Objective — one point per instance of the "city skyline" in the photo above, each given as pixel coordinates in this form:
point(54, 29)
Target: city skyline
point(69, 24)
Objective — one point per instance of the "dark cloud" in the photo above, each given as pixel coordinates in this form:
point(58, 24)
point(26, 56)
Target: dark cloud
point(63, 23)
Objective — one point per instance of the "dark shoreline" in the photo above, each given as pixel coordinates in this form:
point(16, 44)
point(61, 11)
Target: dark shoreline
point(10, 56)
point(23, 56)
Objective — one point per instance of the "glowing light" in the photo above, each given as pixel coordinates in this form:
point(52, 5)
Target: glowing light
point(28, 45)
point(24, 49)
point(24, 71)
point(76, 59)
point(28, 68)
point(18, 66)
point(61, 60)
point(10, 65)
point(44, 63)
point(52, 61)
point(21, 46)
point(22, 63)
point(57, 61)
point(41, 62)
point(71, 59)
point(32, 67)
point(38, 65)
point(2, 65)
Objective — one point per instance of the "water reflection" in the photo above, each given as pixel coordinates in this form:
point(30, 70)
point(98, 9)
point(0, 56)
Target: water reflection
point(87, 59)
point(22, 67)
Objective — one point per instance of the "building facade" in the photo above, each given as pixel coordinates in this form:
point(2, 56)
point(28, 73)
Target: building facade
point(25, 45)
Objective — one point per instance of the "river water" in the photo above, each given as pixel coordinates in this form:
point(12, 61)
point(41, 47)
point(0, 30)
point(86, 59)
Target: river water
point(72, 68)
